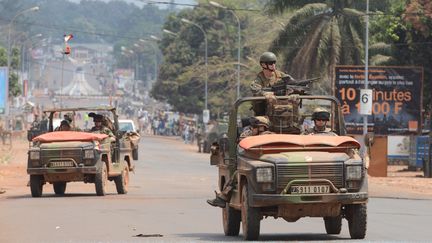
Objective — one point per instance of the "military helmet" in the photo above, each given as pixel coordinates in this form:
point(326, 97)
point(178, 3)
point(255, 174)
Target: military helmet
point(321, 114)
point(257, 121)
point(65, 122)
point(267, 57)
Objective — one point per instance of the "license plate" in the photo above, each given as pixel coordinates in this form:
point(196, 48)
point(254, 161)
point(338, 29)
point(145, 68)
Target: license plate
point(61, 164)
point(313, 189)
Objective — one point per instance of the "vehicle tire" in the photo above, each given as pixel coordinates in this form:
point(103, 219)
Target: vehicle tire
point(231, 220)
point(135, 154)
point(59, 188)
point(357, 220)
point(250, 217)
point(122, 181)
point(333, 225)
point(36, 185)
point(101, 180)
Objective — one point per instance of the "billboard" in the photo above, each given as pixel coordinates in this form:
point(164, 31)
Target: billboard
point(4, 89)
point(396, 98)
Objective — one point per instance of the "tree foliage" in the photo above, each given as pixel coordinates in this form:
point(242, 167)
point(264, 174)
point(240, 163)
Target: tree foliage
point(406, 30)
point(181, 80)
point(14, 87)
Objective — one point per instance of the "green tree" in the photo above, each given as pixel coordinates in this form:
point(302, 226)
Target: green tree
point(405, 29)
point(14, 87)
point(181, 78)
point(320, 35)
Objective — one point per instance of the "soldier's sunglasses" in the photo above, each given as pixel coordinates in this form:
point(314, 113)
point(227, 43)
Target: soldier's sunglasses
point(270, 63)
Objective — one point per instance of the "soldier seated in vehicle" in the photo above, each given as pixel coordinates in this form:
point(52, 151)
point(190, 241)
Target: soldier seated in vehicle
point(99, 127)
point(64, 126)
point(320, 117)
point(259, 125)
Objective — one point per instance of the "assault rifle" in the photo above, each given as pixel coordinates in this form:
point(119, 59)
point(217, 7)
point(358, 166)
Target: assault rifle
point(288, 86)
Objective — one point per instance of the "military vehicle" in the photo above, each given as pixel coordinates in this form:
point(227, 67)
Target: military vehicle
point(291, 176)
point(60, 157)
point(214, 134)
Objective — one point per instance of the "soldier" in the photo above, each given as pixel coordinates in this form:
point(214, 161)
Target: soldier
point(99, 127)
point(64, 126)
point(268, 77)
point(320, 117)
point(259, 125)
point(35, 124)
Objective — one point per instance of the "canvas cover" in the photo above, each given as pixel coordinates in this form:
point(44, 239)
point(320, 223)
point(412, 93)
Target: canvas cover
point(299, 140)
point(63, 136)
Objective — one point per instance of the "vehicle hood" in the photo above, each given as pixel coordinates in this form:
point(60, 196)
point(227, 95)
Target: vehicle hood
point(68, 145)
point(64, 136)
point(297, 141)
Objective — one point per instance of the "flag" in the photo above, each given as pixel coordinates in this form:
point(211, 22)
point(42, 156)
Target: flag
point(67, 37)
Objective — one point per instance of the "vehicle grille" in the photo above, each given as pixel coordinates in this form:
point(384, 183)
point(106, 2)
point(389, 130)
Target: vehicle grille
point(60, 154)
point(287, 172)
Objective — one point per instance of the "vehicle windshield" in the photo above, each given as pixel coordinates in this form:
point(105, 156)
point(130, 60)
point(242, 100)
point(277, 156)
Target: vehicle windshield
point(125, 126)
point(304, 113)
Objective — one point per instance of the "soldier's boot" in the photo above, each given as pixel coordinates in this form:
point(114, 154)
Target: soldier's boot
point(218, 201)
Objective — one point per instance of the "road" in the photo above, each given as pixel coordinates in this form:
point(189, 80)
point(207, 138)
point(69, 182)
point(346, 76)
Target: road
point(166, 202)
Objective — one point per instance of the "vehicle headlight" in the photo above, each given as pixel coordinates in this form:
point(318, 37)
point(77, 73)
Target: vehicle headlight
point(354, 172)
point(89, 154)
point(264, 174)
point(34, 155)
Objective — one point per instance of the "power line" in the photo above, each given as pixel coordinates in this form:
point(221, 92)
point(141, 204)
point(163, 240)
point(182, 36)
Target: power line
point(194, 5)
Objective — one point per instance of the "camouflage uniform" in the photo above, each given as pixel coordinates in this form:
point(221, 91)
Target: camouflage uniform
point(261, 81)
point(316, 131)
point(102, 130)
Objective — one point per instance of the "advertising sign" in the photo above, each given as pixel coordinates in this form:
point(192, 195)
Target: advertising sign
point(4, 89)
point(396, 98)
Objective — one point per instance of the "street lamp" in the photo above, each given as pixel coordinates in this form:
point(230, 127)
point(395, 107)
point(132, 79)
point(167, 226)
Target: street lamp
point(36, 8)
point(155, 53)
point(206, 65)
point(218, 5)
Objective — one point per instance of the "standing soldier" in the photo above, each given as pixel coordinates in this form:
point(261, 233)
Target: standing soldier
point(268, 77)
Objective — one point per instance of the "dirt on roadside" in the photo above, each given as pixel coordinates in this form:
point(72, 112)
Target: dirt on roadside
point(399, 183)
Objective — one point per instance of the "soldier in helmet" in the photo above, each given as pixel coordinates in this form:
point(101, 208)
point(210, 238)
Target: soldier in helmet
point(99, 127)
point(268, 77)
point(259, 125)
point(320, 116)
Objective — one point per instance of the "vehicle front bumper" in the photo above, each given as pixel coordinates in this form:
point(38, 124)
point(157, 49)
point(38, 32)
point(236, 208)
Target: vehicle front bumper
point(65, 170)
point(268, 200)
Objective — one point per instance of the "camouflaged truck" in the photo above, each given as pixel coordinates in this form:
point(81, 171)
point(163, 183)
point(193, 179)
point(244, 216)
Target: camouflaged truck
point(59, 157)
point(292, 176)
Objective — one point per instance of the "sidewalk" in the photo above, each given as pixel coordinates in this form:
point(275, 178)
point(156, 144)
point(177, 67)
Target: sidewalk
point(399, 183)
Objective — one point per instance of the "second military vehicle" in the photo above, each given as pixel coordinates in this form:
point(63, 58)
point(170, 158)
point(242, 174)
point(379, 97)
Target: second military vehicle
point(60, 157)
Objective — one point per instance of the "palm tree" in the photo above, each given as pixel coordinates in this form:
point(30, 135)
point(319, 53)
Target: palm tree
point(318, 36)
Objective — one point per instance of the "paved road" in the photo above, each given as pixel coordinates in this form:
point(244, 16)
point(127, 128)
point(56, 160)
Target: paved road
point(166, 201)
